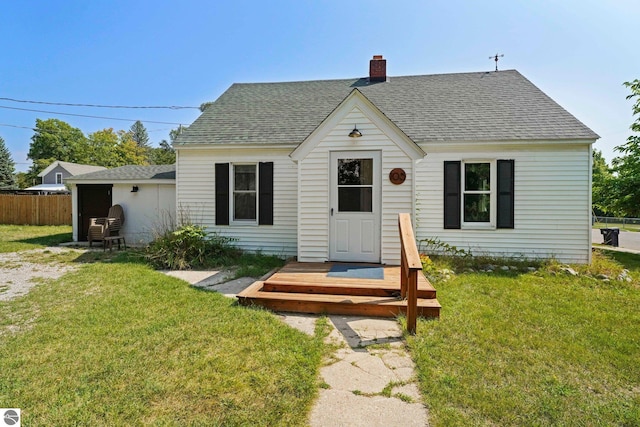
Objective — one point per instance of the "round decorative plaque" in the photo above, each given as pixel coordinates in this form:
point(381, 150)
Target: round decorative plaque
point(397, 176)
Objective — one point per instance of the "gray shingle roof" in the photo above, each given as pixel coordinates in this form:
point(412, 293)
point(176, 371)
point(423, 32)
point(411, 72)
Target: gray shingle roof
point(130, 173)
point(72, 168)
point(484, 106)
point(78, 169)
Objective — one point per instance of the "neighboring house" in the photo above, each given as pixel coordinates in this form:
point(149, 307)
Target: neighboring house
point(483, 161)
point(147, 195)
point(54, 175)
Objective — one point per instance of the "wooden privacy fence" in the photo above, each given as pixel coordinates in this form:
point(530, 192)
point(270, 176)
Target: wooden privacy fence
point(27, 209)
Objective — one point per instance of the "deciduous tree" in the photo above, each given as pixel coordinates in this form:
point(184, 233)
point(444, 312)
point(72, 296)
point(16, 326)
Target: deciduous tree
point(163, 155)
point(111, 149)
point(22, 180)
point(627, 167)
point(57, 140)
point(602, 185)
point(130, 153)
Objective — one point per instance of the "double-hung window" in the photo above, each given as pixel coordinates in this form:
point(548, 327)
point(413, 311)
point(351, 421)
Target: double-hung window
point(58, 177)
point(476, 193)
point(479, 194)
point(244, 192)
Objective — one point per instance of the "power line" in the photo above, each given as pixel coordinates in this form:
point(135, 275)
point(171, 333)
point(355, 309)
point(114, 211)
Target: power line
point(16, 126)
point(171, 107)
point(91, 117)
point(40, 130)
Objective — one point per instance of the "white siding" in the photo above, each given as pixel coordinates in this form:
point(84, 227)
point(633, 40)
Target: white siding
point(196, 199)
point(313, 233)
point(74, 212)
point(552, 202)
point(146, 212)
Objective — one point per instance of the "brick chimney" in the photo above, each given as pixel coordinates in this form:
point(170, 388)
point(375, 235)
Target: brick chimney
point(377, 69)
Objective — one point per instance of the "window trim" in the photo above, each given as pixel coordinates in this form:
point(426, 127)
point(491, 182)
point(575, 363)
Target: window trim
point(370, 186)
point(493, 205)
point(233, 191)
point(59, 174)
point(266, 193)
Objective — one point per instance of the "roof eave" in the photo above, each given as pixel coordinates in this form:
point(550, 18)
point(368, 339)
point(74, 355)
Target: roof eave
point(119, 181)
point(236, 145)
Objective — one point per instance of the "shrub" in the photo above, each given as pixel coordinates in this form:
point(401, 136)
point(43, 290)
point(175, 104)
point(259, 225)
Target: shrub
point(187, 247)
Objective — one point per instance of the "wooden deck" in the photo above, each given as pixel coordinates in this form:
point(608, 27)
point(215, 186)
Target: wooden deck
point(307, 288)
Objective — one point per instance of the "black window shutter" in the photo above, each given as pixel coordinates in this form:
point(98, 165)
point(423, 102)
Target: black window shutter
point(505, 193)
point(222, 193)
point(265, 197)
point(452, 194)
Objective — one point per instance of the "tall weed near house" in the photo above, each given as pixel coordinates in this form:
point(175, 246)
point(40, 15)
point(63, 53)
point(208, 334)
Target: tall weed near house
point(435, 246)
point(187, 247)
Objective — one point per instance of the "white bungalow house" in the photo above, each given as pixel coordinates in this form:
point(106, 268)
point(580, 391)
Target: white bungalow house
point(483, 161)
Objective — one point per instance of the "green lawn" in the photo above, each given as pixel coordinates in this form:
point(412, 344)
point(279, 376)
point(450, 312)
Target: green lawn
point(534, 348)
point(15, 238)
point(116, 343)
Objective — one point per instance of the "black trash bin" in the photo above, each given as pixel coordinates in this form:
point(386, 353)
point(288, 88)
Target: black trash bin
point(610, 236)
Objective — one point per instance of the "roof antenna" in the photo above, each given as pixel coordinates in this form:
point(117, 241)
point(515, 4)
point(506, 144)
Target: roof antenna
point(495, 58)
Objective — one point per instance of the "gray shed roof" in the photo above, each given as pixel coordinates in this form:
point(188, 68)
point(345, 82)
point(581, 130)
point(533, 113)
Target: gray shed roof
point(483, 106)
point(129, 173)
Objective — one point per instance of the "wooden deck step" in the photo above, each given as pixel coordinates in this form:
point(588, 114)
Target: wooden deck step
point(310, 278)
point(342, 288)
point(375, 306)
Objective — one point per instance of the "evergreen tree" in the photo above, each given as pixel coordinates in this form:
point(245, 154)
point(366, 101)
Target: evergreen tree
point(7, 168)
point(139, 134)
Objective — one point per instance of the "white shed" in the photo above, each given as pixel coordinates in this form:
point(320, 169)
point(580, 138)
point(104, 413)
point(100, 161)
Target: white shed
point(146, 193)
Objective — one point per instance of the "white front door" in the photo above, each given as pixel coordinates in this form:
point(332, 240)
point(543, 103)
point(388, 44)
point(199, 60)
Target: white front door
point(355, 206)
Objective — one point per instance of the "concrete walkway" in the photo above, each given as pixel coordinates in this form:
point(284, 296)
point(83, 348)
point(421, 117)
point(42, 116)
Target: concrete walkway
point(368, 381)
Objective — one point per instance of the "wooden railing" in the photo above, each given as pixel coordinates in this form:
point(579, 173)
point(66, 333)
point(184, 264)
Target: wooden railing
point(410, 268)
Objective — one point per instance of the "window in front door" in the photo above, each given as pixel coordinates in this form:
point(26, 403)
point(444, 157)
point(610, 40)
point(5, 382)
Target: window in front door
point(355, 185)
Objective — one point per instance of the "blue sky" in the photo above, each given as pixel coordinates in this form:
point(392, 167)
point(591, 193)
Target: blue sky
point(147, 53)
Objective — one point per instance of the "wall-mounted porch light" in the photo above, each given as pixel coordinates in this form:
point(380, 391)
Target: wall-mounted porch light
point(134, 189)
point(355, 133)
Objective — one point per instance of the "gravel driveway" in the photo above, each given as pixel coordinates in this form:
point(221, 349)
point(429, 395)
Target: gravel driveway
point(18, 275)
